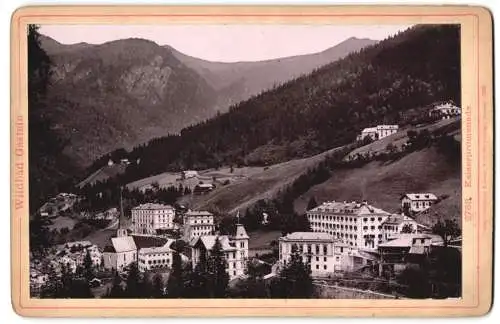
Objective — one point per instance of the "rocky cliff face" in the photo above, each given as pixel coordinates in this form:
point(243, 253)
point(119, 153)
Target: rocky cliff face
point(122, 93)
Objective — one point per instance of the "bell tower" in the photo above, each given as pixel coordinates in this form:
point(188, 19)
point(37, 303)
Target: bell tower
point(121, 231)
point(241, 241)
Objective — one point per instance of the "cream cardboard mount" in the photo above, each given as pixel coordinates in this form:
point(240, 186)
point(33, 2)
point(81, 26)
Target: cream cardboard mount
point(192, 237)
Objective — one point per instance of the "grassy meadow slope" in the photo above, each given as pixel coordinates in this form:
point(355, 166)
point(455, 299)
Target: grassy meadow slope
point(381, 183)
point(259, 185)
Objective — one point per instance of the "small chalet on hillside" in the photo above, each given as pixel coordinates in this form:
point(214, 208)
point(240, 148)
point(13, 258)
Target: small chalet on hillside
point(203, 188)
point(445, 111)
point(417, 202)
point(378, 132)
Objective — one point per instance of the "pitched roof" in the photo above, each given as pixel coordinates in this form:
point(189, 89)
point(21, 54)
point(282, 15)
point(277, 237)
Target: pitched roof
point(152, 206)
point(421, 196)
point(405, 240)
point(123, 244)
point(397, 219)
point(241, 233)
point(445, 105)
point(309, 236)
point(192, 213)
point(205, 185)
point(147, 241)
point(209, 241)
point(387, 126)
point(369, 130)
point(158, 249)
point(349, 208)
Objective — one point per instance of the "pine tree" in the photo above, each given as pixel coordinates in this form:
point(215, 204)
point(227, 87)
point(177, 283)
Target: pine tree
point(133, 289)
point(197, 284)
point(251, 287)
point(157, 287)
point(295, 279)
point(312, 203)
point(218, 277)
point(89, 267)
point(448, 230)
point(40, 237)
point(175, 283)
point(116, 290)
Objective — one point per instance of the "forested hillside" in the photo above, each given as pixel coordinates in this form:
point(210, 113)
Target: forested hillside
point(125, 92)
point(48, 166)
point(319, 111)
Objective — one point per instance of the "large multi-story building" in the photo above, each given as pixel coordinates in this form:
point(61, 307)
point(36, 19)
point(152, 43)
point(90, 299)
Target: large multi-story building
point(417, 202)
point(155, 257)
point(357, 224)
point(148, 218)
point(198, 223)
point(324, 254)
point(235, 250)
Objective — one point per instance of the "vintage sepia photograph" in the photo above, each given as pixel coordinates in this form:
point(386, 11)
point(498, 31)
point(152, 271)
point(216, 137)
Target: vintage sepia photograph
point(245, 161)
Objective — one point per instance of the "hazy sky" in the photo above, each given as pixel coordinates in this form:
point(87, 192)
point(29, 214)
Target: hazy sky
point(226, 43)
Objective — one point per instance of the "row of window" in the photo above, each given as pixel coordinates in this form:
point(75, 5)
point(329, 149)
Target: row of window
point(355, 228)
point(326, 225)
point(155, 255)
point(202, 221)
point(208, 229)
point(156, 261)
point(152, 211)
point(151, 219)
point(341, 218)
point(287, 248)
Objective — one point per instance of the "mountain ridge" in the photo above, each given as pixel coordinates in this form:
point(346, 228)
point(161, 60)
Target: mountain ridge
point(125, 92)
point(324, 109)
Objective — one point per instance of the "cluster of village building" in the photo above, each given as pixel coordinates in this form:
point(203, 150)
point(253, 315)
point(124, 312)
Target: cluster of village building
point(347, 236)
point(58, 204)
point(143, 243)
point(344, 236)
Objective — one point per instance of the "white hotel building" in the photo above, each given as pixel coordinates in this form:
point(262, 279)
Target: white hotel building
point(198, 223)
point(323, 253)
point(148, 218)
point(356, 224)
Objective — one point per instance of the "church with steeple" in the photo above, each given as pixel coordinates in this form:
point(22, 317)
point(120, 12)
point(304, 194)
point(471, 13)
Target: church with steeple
point(235, 249)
